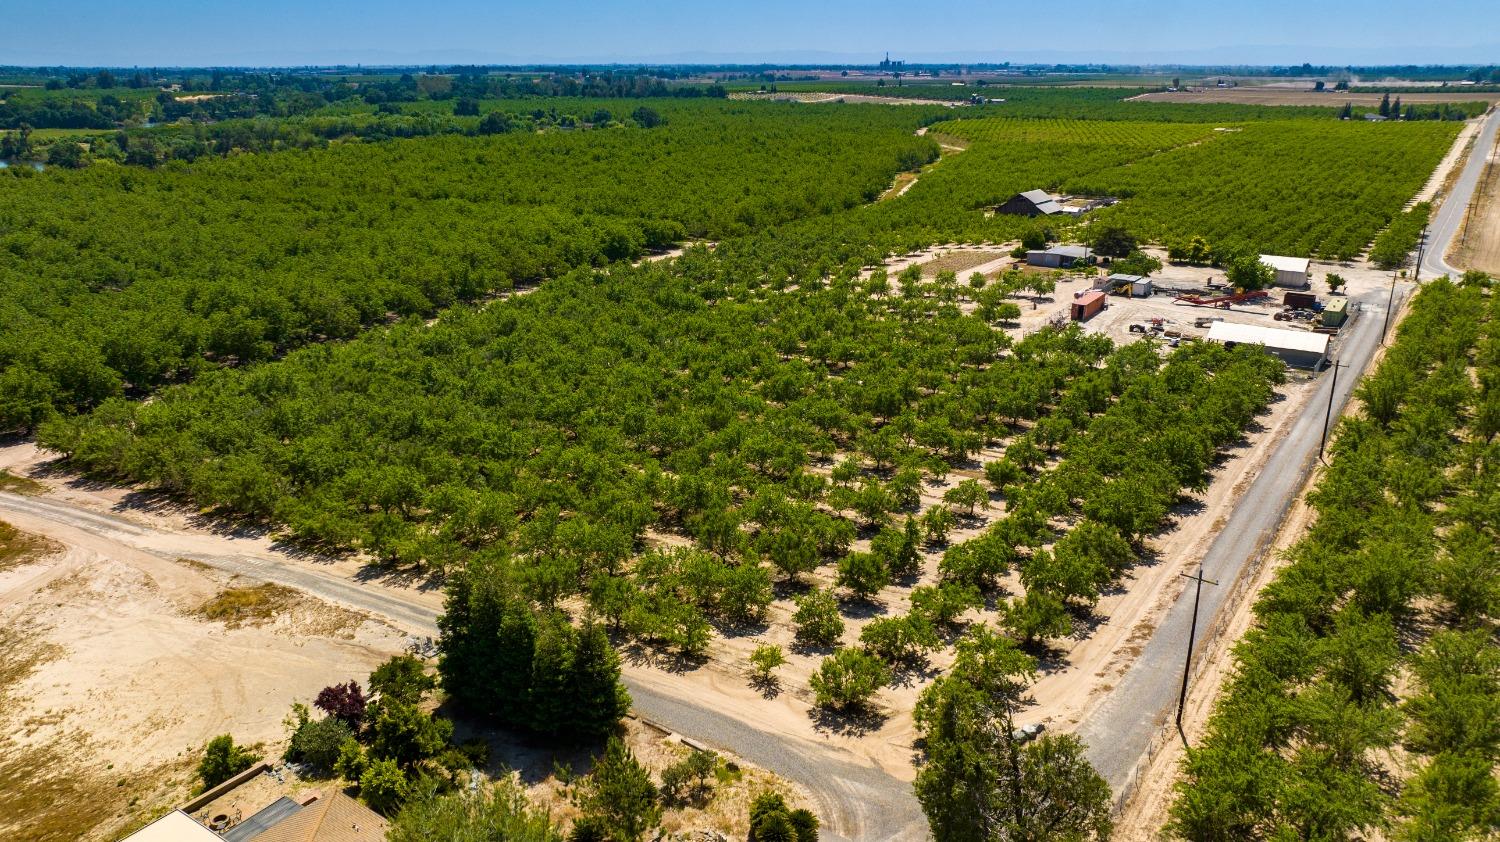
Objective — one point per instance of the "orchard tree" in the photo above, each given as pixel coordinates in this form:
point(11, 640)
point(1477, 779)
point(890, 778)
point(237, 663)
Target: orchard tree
point(817, 618)
point(765, 659)
point(862, 574)
point(1037, 616)
point(848, 679)
point(899, 639)
point(970, 494)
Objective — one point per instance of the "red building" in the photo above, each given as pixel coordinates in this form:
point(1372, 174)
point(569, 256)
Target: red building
point(1088, 305)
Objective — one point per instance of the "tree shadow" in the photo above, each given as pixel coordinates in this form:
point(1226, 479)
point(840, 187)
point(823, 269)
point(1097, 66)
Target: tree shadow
point(848, 722)
point(810, 648)
point(768, 686)
point(862, 609)
point(911, 672)
point(642, 653)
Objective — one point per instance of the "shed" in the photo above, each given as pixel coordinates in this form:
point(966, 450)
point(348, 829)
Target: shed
point(1031, 203)
point(1335, 312)
point(1297, 348)
point(1087, 305)
point(1060, 257)
point(1291, 272)
point(1134, 285)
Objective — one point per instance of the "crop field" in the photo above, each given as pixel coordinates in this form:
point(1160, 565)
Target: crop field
point(1371, 674)
point(1271, 186)
point(121, 278)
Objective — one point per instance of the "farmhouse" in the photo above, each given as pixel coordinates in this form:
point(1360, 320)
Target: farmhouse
point(1296, 348)
point(1060, 257)
point(1290, 271)
point(1032, 203)
point(215, 816)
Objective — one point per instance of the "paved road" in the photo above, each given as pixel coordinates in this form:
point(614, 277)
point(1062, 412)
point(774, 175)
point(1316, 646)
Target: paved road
point(1445, 224)
point(1119, 732)
point(856, 801)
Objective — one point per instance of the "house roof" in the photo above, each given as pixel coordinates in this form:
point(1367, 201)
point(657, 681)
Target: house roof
point(1285, 264)
point(337, 818)
point(1271, 337)
point(1069, 251)
point(175, 826)
point(1089, 297)
point(1043, 200)
point(1123, 279)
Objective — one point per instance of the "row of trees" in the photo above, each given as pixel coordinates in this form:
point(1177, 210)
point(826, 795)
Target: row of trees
point(1397, 575)
point(116, 281)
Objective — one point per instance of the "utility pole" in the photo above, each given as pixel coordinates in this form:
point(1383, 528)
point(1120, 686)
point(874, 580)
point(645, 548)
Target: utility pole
point(1390, 305)
point(1332, 390)
point(1187, 665)
point(1421, 246)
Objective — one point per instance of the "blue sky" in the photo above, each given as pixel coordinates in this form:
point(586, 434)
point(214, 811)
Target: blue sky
point(168, 32)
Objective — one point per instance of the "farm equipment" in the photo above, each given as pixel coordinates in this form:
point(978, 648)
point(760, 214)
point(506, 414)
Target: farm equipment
point(1222, 301)
point(1206, 321)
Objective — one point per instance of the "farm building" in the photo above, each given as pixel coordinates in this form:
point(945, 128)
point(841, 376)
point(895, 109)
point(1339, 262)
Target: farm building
point(1335, 312)
point(1290, 271)
point(1299, 349)
point(1060, 257)
point(1087, 305)
point(1136, 286)
point(1032, 203)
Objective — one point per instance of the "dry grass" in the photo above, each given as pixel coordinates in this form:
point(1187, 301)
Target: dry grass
point(17, 547)
point(959, 262)
point(20, 485)
point(251, 606)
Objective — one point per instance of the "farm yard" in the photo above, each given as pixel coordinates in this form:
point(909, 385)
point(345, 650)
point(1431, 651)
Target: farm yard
point(813, 477)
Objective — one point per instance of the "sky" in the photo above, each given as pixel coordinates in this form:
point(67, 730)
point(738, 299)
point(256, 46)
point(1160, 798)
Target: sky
point(279, 32)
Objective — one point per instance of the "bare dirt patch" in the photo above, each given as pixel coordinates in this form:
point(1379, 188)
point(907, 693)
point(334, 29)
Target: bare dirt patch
point(110, 683)
point(1267, 95)
point(1478, 243)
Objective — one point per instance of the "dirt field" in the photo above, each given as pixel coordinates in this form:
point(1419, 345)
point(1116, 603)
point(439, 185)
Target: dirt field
point(1268, 95)
point(112, 680)
point(1478, 243)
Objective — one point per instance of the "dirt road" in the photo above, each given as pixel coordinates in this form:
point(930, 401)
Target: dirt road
point(1478, 237)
